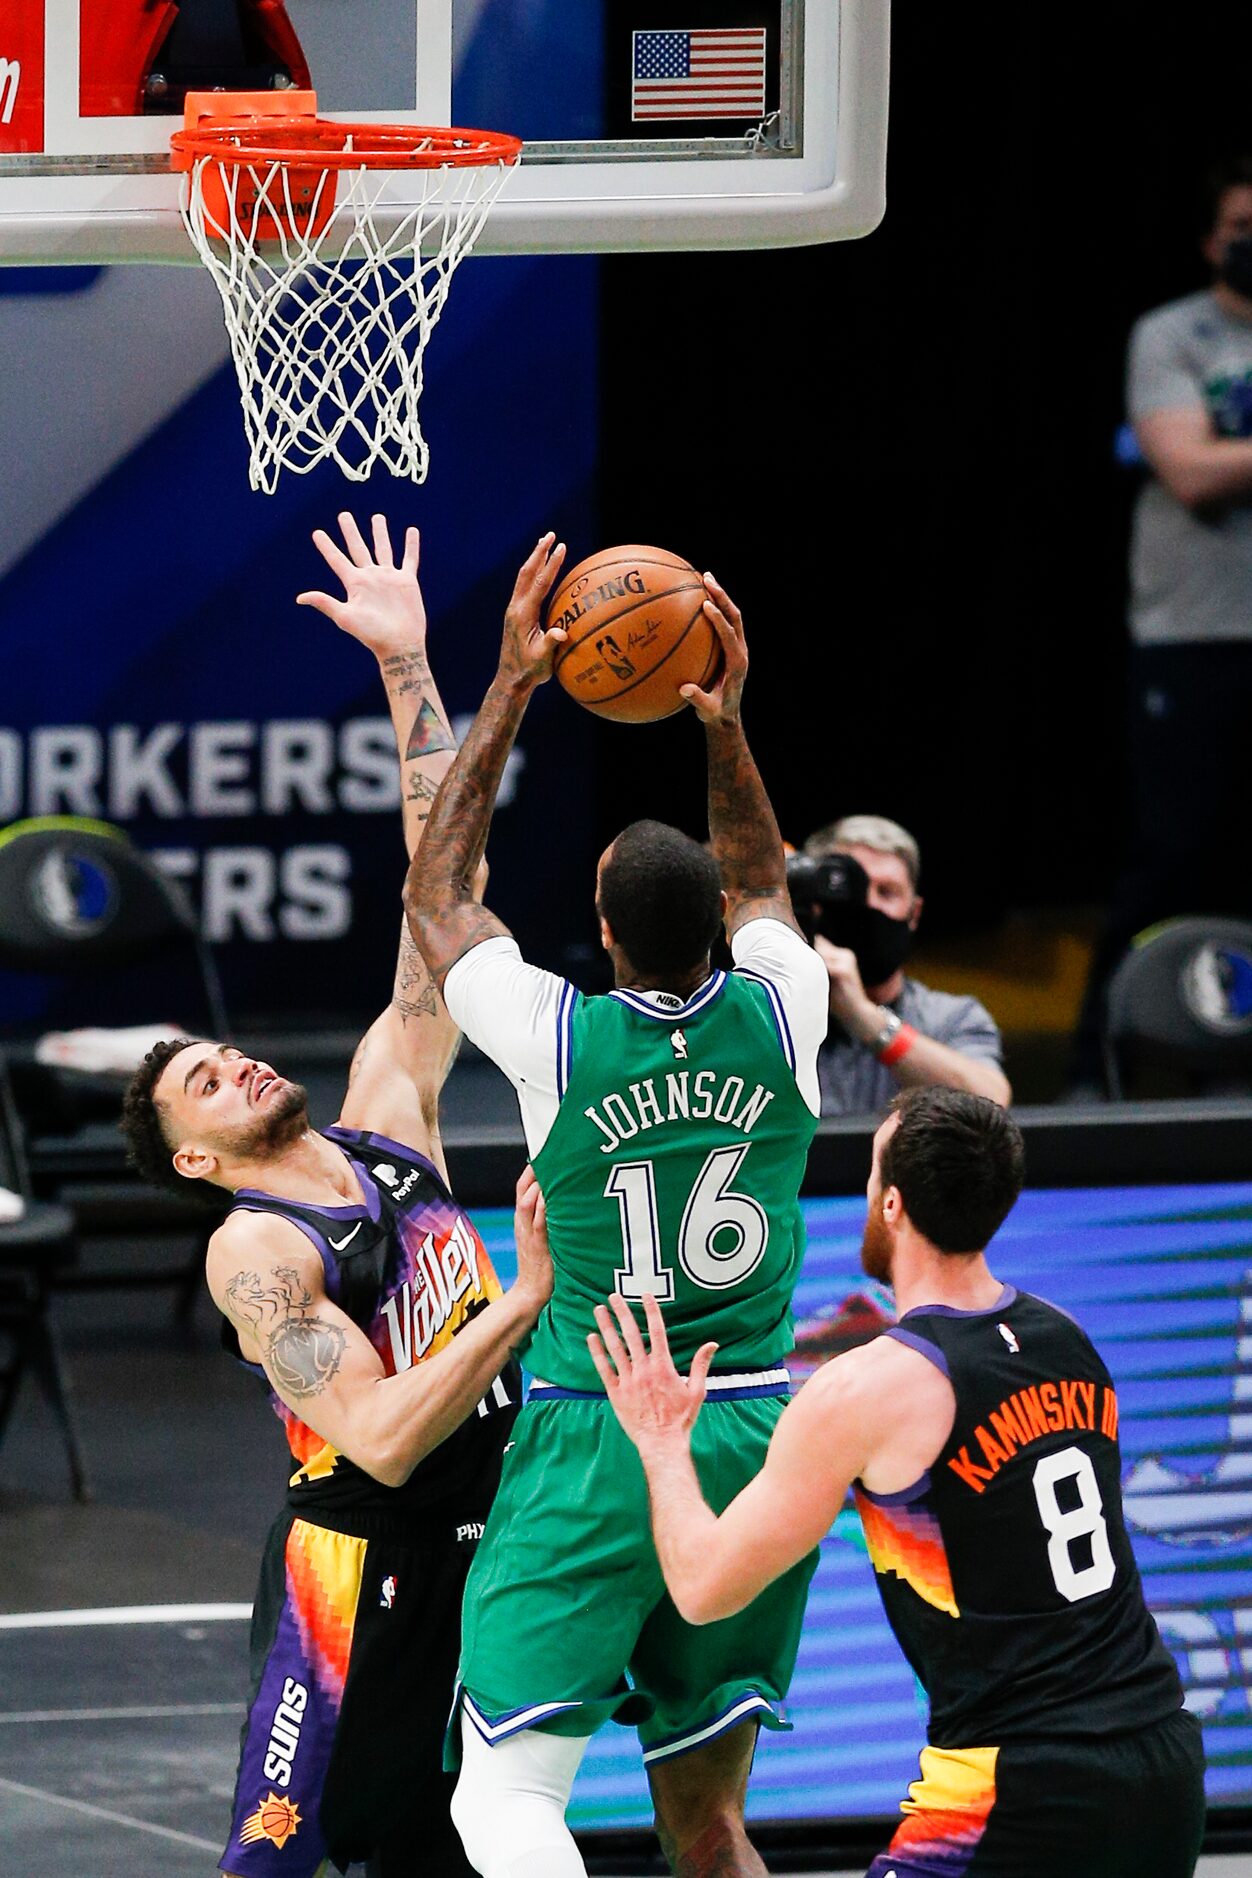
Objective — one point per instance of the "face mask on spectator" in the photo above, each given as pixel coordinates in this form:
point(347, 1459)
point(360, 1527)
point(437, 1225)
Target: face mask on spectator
point(881, 944)
point(1236, 266)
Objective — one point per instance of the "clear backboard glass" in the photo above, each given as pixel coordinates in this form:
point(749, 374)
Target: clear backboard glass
point(703, 123)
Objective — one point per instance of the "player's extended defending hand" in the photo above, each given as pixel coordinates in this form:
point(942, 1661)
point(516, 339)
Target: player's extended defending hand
point(720, 704)
point(650, 1399)
point(530, 1230)
point(383, 607)
point(527, 651)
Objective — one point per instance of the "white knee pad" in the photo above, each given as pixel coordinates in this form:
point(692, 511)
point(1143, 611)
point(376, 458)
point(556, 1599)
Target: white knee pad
point(510, 1801)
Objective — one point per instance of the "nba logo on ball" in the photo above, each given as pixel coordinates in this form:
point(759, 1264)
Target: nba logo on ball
point(637, 632)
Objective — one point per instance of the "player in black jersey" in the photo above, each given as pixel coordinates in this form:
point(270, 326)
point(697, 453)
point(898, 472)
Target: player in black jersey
point(354, 1284)
point(979, 1436)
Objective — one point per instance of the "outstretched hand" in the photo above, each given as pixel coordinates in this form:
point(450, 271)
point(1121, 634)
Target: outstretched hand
point(720, 703)
point(527, 651)
point(649, 1397)
point(383, 605)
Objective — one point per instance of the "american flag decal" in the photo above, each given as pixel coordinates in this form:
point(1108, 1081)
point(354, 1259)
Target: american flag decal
point(707, 72)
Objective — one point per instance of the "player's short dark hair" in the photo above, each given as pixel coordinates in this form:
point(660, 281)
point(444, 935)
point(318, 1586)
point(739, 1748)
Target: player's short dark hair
point(660, 891)
point(1230, 170)
point(148, 1148)
point(958, 1161)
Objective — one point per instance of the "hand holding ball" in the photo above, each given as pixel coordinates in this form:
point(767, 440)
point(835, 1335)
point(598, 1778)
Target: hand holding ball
point(637, 631)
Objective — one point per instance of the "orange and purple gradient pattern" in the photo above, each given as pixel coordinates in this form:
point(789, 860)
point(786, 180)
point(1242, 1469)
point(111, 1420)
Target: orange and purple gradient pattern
point(323, 1585)
point(904, 1538)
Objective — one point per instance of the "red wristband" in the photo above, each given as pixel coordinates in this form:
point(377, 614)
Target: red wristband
point(899, 1046)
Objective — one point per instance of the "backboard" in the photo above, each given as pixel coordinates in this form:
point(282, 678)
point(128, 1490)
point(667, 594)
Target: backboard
point(646, 123)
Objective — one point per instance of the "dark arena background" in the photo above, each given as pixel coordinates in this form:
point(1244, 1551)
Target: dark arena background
point(906, 458)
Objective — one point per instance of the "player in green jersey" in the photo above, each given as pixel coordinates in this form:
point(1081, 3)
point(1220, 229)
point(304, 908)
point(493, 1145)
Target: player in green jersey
point(668, 1123)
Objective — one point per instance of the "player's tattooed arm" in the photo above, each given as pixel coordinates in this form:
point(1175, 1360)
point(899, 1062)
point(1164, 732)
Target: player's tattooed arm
point(444, 918)
point(401, 1066)
point(743, 830)
point(414, 995)
point(256, 1305)
point(300, 1349)
point(744, 833)
point(304, 1355)
point(266, 1279)
point(443, 914)
point(425, 744)
point(383, 608)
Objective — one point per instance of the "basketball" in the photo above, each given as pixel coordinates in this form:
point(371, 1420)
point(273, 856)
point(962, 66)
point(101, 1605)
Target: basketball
point(637, 631)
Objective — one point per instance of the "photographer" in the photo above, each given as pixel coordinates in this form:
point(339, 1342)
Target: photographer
point(854, 891)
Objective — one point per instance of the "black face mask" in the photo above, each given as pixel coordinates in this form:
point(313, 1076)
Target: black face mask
point(881, 944)
point(829, 896)
point(1236, 266)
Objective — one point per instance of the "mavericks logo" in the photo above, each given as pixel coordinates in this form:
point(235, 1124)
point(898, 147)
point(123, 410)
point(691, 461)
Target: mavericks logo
point(71, 894)
point(1217, 989)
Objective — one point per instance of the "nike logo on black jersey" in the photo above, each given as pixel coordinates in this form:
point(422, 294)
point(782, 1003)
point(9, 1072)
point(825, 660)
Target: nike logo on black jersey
point(339, 1244)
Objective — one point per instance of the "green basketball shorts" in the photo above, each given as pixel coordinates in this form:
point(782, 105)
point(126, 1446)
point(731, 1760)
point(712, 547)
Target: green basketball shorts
point(567, 1622)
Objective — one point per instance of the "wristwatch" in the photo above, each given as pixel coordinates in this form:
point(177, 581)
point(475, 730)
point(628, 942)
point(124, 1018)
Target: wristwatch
point(891, 1026)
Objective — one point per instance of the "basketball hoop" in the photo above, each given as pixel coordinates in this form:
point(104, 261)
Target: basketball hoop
point(331, 279)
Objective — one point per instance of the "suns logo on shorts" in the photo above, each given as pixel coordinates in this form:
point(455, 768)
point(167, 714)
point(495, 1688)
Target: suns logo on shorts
point(275, 1819)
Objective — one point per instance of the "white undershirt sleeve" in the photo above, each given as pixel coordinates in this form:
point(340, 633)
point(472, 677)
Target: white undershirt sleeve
point(519, 1016)
point(775, 954)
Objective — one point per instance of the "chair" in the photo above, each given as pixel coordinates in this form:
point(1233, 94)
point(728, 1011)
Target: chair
point(78, 901)
point(1181, 1001)
point(34, 1250)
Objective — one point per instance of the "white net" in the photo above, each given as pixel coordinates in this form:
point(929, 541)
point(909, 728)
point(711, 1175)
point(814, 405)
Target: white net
point(328, 314)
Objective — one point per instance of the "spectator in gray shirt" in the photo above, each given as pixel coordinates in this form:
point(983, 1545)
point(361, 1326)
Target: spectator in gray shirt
point(1189, 400)
point(896, 1032)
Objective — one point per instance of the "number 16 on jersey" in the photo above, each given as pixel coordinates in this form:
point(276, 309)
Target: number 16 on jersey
point(721, 1239)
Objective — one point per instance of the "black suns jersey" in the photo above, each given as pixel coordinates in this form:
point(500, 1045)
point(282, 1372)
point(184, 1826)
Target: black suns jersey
point(410, 1271)
point(1006, 1571)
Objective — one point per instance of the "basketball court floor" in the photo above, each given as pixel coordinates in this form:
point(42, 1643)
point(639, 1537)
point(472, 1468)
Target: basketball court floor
point(123, 1623)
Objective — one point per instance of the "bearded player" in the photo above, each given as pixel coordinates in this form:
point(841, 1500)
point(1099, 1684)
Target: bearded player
point(979, 1435)
point(668, 1124)
point(353, 1283)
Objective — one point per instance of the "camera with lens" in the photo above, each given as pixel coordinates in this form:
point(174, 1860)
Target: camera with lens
point(821, 884)
point(830, 899)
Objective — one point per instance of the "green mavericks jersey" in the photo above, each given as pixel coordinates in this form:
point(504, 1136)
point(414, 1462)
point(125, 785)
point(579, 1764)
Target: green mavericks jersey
point(673, 1166)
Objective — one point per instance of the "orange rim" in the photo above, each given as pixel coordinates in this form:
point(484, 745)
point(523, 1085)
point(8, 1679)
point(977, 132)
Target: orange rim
point(318, 143)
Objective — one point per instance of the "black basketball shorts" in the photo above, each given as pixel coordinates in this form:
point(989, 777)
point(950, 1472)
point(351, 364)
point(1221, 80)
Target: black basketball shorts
point(354, 1647)
point(1119, 1806)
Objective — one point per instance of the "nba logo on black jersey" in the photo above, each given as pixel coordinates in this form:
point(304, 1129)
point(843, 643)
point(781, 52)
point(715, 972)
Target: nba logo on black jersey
point(388, 1597)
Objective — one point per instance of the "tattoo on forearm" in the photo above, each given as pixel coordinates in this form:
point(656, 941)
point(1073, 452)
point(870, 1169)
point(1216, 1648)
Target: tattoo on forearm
point(304, 1351)
point(429, 734)
point(405, 672)
point(358, 1057)
point(441, 877)
point(742, 826)
point(422, 790)
point(414, 994)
